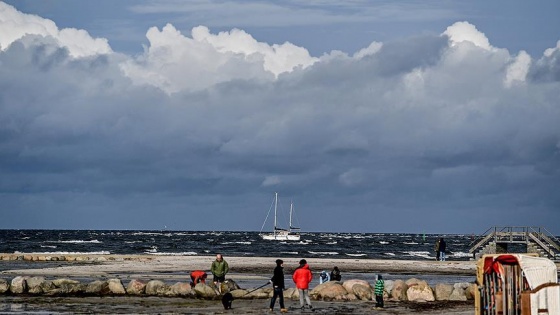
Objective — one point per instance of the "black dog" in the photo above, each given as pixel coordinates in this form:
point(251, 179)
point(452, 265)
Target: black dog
point(227, 299)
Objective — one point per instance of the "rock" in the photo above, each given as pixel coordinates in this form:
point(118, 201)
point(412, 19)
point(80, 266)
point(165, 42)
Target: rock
point(97, 287)
point(4, 286)
point(388, 285)
point(204, 291)
point(470, 291)
point(399, 291)
point(229, 285)
point(136, 287)
point(116, 287)
point(458, 293)
point(181, 289)
point(420, 292)
point(240, 294)
point(156, 287)
point(443, 291)
point(364, 293)
point(331, 290)
point(38, 285)
point(64, 281)
point(349, 284)
point(291, 293)
point(18, 285)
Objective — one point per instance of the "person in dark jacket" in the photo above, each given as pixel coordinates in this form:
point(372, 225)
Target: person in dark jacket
point(219, 269)
point(277, 281)
point(335, 274)
point(442, 248)
point(436, 249)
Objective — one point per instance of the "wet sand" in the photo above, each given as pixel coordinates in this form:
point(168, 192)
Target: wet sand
point(176, 268)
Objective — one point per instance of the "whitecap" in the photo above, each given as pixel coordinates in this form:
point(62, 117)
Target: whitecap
point(389, 254)
point(324, 253)
point(76, 242)
point(356, 255)
point(383, 242)
point(173, 254)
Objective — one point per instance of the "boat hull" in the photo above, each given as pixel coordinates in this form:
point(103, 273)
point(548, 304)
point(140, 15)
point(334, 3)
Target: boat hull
point(280, 237)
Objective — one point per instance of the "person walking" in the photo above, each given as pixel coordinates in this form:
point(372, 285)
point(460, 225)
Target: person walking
point(442, 248)
point(436, 249)
point(335, 274)
point(378, 291)
point(302, 277)
point(219, 270)
point(277, 281)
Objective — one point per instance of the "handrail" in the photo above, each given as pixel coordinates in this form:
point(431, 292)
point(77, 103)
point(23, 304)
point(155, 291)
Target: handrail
point(541, 244)
point(484, 240)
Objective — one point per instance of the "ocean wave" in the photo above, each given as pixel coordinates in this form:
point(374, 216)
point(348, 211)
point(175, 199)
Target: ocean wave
point(460, 254)
point(243, 243)
point(48, 246)
point(71, 253)
point(383, 242)
point(390, 254)
point(290, 253)
point(420, 254)
point(410, 243)
point(173, 254)
point(76, 242)
point(323, 253)
point(356, 255)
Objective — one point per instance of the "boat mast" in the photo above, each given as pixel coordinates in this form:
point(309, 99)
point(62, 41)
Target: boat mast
point(291, 209)
point(275, 207)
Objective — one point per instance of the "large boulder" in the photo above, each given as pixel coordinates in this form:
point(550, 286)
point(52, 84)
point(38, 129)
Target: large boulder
point(136, 287)
point(291, 293)
point(204, 291)
point(156, 287)
point(349, 284)
point(241, 294)
point(458, 293)
point(331, 290)
point(97, 287)
point(64, 286)
point(38, 285)
point(443, 291)
point(4, 286)
point(18, 285)
point(420, 292)
point(116, 287)
point(470, 291)
point(362, 292)
point(399, 291)
point(181, 289)
point(229, 285)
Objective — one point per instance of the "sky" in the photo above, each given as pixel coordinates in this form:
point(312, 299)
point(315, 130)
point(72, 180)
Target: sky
point(406, 116)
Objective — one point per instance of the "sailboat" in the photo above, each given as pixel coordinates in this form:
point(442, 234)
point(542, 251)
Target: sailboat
point(280, 234)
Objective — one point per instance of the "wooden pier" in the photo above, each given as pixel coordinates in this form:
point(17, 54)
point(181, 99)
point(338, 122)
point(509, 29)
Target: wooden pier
point(517, 239)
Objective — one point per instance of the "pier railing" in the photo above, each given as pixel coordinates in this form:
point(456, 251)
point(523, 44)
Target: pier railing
point(537, 236)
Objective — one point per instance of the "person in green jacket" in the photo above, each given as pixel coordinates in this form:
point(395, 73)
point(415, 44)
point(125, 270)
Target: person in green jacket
point(219, 270)
point(379, 287)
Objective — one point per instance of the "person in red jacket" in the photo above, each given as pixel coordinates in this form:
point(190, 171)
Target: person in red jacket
point(198, 276)
point(302, 277)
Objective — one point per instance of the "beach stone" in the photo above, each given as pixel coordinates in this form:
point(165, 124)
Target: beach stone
point(64, 281)
point(362, 292)
point(420, 292)
point(290, 293)
point(331, 290)
point(4, 286)
point(350, 297)
point(156, 287)
point(97, 287)
point(240, 294)
point(116, 287)
point(388, 286)
point(204, 291)
point(181, 289)
point(458, 293)
point(399, 290)
point(470, 291)
point(443, 291)
point(38, 285)
point(136, 287)
point(260, 293)
point(414, 281)
point(229, 285)
point(18, 285)
point(349, 284)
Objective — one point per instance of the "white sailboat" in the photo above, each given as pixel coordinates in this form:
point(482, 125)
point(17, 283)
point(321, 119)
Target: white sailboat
point(280, 234)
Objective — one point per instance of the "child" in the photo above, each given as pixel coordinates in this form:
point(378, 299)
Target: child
point(379, 287)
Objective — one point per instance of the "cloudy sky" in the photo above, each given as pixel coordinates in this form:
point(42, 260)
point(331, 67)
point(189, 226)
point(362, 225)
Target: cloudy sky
point(372, 116)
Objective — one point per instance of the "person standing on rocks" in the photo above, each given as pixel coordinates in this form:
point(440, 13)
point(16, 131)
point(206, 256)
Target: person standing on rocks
point(277, 281)
point(378, 291)
point(219, 270)
point(302, 277)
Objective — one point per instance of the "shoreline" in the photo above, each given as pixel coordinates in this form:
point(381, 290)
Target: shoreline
point(177, 268)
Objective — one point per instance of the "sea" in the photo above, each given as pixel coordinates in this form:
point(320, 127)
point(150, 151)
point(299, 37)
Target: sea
point(403, 246)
